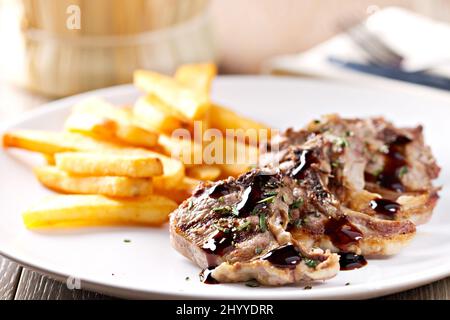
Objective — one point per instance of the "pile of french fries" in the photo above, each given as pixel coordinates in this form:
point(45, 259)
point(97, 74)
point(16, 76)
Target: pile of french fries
point(114, 165)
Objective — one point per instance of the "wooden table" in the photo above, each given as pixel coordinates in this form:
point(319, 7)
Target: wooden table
point(17, 282)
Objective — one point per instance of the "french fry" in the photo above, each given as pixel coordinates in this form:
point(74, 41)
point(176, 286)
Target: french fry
point(97, 210)
point(188, 151)
point(190, 103)
point(109, 164)
point(61, 181)
point(239, 157)
point(174, 171)
point(222, 118)
point(49, 159)
point(101, 119)
point(50, 142)
point(198, 77)
point(150, 112)
point(204, 172)
point(181, 191)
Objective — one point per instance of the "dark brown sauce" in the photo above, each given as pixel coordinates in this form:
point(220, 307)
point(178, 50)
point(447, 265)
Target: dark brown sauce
point(342, 232)
point(255, 192)
point(351, 261)
point(206, 277)
point(284, 257)
point(394, 162)
point(385, 206)
point(306, 158)
point(219, 190)
point(220, 243)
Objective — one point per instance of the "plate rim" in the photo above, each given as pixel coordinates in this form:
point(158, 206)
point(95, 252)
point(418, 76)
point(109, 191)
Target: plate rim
point(384, 287)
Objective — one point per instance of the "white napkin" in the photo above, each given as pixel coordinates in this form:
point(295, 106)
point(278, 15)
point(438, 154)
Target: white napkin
point(423, 42)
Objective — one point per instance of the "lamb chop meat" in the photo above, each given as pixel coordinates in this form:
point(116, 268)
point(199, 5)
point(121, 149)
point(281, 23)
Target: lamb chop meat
point(383, 171)
point(321, 220)
point(238, 228)
point(313, 194)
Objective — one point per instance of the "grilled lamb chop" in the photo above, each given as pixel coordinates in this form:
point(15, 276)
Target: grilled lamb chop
point(312, 195)
point(321, 220)
point(383, 171)
point(239, 228)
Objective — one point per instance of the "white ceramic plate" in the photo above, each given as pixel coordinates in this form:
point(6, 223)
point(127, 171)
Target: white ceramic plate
point(149, 268)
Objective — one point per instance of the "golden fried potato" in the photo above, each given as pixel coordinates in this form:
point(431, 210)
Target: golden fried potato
point(95, 210)
point(198, 77)
point(238, 157)
point(186, 150)
point(91, 125)
point(190, 103)
point(222, 118)
point(150, 112)
point(109, 164)
point(50, 142)
point(181, 191)
point(98, 118)
point(204, 172)
point(61, 181)
point(174, 172)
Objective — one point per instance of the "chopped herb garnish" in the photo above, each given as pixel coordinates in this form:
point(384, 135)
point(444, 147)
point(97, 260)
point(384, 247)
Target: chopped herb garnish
point(243, 226)
point(262, 223)
point(258, 250)
point(297, 204)
point(335, 164)
point(378, 172)
point(402, 171)
point(270, 193)
point(349, 133)
point(342, 142)
point(267, 200)
point(252, 283)
point(310, 262)
point(307, 288)
point(223, 210)
point(223, 229)
point(298, 223)
point(235, 211)
point(221, 199)
point(126, 240)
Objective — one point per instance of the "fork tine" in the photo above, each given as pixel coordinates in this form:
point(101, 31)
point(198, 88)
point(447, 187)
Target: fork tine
point(390, 56)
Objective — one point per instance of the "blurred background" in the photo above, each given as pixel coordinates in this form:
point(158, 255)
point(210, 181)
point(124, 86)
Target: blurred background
point(57, 48)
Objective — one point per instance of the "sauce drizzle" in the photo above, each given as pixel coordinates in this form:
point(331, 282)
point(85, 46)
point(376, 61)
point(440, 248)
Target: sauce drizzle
point(342, 232)
point(306, 158)
point(284, 257)
point(206, 276)
point(385, 206)
point(394, 163)
point(351, 261)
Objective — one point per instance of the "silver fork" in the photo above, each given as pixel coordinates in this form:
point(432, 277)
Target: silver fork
point(376, 49)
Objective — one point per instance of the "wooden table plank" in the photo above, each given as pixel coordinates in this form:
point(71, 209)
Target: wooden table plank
point(34, 286)
point(9, 278)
